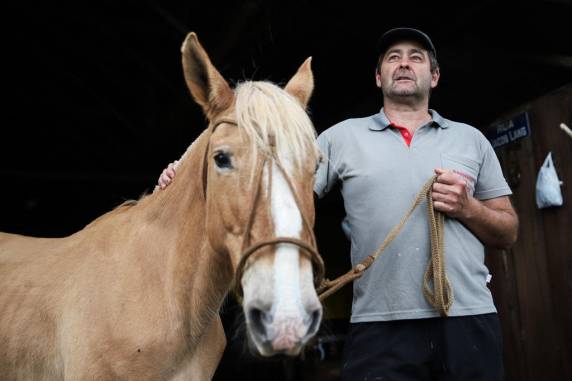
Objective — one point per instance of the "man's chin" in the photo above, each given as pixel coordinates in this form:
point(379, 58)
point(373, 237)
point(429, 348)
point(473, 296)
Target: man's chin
point(406, 92)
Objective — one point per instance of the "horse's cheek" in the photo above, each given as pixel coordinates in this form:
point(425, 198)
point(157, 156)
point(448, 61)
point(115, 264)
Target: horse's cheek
point(214, 224)
point(229, 214)
point(236, 206)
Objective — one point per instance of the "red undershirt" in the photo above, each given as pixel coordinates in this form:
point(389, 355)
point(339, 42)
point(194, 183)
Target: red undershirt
point(407, 136)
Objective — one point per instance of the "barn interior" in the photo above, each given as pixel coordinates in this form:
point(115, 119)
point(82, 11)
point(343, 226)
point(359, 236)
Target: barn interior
point(95, 107)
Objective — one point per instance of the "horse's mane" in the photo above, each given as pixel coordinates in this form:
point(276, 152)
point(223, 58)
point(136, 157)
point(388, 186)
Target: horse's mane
point(273, 119)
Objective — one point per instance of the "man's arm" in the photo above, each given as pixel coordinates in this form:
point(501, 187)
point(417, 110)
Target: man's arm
point(493, 221)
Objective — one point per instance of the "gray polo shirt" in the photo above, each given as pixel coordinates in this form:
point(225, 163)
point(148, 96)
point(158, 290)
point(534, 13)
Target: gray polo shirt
point(379, 177)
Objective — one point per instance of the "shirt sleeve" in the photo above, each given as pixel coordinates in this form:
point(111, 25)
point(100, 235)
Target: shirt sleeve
point(327, 175)
point(490, 182)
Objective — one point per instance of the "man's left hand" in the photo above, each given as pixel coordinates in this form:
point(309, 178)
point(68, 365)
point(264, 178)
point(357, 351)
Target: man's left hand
point(451, 194)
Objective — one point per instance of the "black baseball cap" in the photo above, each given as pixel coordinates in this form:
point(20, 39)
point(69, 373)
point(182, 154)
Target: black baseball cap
point(399, 34)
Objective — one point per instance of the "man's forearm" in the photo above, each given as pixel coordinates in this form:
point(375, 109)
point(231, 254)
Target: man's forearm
point(495, 227)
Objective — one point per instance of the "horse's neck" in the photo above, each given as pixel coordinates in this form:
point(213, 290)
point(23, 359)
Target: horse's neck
point(199, 278)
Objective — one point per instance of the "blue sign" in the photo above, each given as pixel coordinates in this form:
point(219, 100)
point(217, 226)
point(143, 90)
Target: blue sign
point(506, 132)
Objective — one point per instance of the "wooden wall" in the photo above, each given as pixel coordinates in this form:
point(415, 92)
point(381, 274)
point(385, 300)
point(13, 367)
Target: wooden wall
point(532, 282)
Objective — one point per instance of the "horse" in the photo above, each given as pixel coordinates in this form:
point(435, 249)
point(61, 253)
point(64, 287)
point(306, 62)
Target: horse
point(135, 295)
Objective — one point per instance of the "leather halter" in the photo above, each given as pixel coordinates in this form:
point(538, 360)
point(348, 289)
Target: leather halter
point(308, 248)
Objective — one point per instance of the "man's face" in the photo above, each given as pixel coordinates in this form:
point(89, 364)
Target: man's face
point(406, 71)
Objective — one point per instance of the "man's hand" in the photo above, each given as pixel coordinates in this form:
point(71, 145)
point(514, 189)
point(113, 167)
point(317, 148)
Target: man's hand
point(493, 221)
point(451, 194)
point(167, 175)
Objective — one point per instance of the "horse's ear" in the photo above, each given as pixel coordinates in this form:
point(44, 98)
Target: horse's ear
point(301, 84)
point(207, 86)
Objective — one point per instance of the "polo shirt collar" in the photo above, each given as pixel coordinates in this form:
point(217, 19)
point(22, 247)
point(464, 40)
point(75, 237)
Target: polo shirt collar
point(438, 120)
point(380, 121)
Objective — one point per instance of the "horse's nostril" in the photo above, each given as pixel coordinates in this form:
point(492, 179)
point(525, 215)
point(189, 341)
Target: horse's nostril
point(259, 319)
point(314, 319)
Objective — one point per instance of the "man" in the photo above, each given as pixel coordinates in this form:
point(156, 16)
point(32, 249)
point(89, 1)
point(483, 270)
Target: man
point(382, 161)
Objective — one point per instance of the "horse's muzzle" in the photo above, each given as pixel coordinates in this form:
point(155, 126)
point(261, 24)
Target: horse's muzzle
point(282, 333)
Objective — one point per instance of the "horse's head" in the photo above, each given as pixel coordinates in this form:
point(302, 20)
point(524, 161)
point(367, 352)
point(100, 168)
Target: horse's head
point(258, 177)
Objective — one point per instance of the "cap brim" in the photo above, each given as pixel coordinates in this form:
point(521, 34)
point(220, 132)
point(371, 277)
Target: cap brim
point(401, 34)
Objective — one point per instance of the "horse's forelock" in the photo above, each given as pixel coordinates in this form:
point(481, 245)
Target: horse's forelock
point(269, 116)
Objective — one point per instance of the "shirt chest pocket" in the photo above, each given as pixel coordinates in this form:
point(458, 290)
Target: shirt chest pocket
point(463, 166)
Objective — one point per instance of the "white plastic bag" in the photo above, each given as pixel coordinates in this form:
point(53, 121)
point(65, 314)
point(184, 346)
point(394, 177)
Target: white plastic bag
point(548, 191)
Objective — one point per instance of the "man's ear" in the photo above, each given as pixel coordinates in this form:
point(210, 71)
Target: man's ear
point(301, 84)
point(377, 78)
point(209, 89)
point(435, 75)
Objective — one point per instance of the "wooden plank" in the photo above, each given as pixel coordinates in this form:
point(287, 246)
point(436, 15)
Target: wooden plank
point(532, 285)
point(549, 112)
point(504, 289)
point(504, 285)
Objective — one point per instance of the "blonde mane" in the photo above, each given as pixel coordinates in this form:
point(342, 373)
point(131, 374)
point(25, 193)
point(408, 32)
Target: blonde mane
point(275, 123)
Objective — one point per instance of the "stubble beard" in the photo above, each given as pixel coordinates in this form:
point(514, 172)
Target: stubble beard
point(411, 92)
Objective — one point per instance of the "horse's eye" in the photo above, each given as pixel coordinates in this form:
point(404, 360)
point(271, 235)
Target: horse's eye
point(222, 160)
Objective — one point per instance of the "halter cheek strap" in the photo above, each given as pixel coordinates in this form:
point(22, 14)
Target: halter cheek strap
point(308, 249)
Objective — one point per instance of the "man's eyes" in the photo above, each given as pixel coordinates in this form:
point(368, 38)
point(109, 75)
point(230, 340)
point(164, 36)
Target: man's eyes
point(415, 58)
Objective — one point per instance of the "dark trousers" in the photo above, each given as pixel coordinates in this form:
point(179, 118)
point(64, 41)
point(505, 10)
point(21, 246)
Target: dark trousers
point(455, 348)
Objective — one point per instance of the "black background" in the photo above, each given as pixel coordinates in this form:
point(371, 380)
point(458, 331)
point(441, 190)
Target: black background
point(95, 105)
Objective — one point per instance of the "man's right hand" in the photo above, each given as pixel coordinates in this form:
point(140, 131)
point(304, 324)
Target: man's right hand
point(167, 175)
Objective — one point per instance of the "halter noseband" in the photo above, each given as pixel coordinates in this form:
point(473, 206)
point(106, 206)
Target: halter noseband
point(308, 248)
